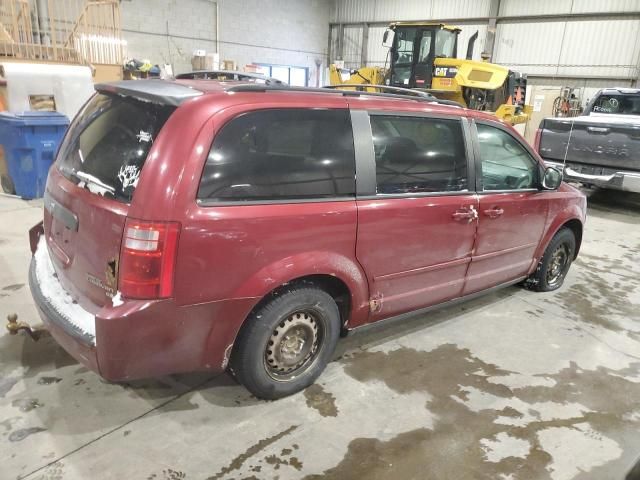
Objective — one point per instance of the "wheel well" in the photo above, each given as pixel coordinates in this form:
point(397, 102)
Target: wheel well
point(576, 227)
point(328, 283)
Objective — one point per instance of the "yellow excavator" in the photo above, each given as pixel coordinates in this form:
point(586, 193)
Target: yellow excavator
point(423, 56)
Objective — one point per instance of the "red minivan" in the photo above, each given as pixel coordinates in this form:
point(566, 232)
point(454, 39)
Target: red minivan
point(202, 225)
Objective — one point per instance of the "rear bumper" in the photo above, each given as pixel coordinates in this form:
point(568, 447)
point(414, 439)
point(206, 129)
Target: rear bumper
point(142, 339)
point(77, 343)
point(599, 176)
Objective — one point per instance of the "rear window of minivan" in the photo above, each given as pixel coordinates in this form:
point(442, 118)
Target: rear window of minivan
point(108, 143)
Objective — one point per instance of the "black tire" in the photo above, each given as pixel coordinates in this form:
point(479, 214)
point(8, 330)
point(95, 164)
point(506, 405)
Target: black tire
point(554, 264)
point(291, 316)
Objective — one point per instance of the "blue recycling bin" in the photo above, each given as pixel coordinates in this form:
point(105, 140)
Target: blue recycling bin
point(30, 141)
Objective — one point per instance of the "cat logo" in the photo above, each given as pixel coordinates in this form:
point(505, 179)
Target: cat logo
point(447, 72)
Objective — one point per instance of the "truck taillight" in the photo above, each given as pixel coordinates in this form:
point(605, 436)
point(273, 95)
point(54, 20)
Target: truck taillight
point(536, 140)
point(148, 259)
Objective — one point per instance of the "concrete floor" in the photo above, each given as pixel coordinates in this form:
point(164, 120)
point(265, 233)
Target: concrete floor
point(516, 385)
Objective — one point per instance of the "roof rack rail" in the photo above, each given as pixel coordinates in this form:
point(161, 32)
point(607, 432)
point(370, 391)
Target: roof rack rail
point(227, 75)
point(397, 91)
point(401, 93)
point(262, 87)
point(361, 87)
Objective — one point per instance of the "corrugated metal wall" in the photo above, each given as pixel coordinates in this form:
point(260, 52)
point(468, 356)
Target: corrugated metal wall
point(386, 10)
point(580, 47)
point(548, 7)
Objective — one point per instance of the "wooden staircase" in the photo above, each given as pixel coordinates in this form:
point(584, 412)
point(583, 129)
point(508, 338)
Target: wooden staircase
point(68, 31)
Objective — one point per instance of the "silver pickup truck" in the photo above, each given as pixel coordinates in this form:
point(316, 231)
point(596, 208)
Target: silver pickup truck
point(600, 147)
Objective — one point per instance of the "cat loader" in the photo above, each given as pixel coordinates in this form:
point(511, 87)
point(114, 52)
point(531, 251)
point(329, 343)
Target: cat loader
point(423, 56)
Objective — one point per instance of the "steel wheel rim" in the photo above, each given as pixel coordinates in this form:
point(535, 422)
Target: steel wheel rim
point(293, 345)
point(557, 265)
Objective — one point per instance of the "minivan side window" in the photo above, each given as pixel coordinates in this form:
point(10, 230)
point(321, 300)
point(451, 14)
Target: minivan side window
point(506, 164)
point(418, 154)
point(281, 154)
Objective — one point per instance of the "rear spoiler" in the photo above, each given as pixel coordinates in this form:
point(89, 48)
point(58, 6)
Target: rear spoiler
point(154, 91)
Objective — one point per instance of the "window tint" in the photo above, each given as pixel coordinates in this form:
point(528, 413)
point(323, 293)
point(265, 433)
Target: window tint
point(416, 154)
point(506, 165)
point(108, 144)
point(618, 103)
point(281, 154)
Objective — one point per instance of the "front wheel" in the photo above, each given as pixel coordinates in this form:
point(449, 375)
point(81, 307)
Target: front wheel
point(555, 263)
point(286, 344)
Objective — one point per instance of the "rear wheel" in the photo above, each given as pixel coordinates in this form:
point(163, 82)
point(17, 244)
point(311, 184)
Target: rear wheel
point(286, 344)
point(555, 263)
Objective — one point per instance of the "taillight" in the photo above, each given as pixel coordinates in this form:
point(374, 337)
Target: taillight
point(536, 140)
point(148, 259)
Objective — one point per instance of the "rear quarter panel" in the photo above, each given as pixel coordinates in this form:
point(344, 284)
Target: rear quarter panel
point(248, 251)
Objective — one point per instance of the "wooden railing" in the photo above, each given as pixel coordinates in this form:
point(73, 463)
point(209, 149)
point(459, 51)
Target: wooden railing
point(75, 31)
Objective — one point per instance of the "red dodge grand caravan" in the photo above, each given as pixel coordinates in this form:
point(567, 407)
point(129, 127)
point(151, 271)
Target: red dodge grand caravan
point(202, 225)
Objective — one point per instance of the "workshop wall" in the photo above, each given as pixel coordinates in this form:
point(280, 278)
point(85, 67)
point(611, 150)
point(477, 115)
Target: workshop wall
point(281, 32)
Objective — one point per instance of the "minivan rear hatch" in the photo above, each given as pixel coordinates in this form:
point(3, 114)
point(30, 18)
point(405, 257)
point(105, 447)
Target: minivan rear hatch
point(94, 180)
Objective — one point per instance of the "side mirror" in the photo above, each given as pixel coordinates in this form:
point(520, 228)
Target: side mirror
point(552, 179)
point(387, 38)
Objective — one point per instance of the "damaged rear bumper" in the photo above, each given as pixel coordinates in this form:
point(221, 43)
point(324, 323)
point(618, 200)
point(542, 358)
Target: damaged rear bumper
point(51, 315)
point(77, 343)
point(142, 338)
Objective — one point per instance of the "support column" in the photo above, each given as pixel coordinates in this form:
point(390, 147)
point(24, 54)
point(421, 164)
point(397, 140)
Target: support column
point(490, 38)
point(365, 45)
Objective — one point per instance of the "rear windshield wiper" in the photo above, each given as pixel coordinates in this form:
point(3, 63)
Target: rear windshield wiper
point(99, 186)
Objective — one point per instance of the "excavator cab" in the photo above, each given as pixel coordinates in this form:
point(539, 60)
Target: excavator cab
point(414, 49)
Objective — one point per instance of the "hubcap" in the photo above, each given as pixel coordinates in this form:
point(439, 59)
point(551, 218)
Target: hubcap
point(292, 345)
point(557, 265)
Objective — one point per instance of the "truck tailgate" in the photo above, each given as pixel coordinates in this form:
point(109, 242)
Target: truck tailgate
point(609, 143)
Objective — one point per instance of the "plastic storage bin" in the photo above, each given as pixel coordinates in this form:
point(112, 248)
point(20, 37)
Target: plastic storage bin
point(30, 141)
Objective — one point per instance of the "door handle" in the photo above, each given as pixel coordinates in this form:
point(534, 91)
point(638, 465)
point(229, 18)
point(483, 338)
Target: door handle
point(494, 212)
point(468, 214)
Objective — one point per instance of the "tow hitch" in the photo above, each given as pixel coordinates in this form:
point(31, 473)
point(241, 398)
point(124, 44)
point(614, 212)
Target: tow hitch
point(14, 326)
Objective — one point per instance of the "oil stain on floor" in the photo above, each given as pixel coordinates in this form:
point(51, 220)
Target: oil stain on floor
point(324, 402)
point(239, 461)
point(473, 410)
point(22, 433)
